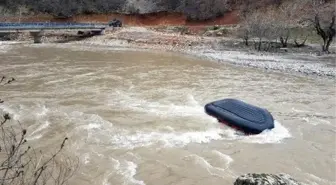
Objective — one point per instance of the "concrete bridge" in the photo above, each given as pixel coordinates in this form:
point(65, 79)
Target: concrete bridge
point(36, 29)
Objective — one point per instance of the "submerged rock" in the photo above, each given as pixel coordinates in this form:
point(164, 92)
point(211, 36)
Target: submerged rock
point(265, 179)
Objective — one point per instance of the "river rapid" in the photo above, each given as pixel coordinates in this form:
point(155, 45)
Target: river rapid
point(137, 117)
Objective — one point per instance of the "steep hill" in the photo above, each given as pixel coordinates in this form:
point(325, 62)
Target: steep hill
point(144, 12)
point(191, 9)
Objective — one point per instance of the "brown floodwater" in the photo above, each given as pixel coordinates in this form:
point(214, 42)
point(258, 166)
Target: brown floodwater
point(136, 117)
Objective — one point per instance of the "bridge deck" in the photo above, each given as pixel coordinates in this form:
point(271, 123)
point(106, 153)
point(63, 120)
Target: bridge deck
point(49, 25)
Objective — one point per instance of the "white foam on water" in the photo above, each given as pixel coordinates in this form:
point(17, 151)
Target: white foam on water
point(127, 169)
point(205, 164)
point(86, 158)
point(318, 180)
point(102, 131)
point(123, 170)
point(21, 111)
point(87, 121)
point(56, 81)
point(36, 113)
point(38, 136)
point(173, 139)
point(6, 46)
point(106, 177)
point(276, 135)
point(41, 127)
point(180, 139)
point(92, 126)
point(191, 108)
point(43, 112)
point(105, 181)
point(316, 121)
point(130, 172)
point(99, 130)
point(95, 126)
point(299, 111)
point(11, 111)
point(84, 75)
point(313, 118)
point(223, 157)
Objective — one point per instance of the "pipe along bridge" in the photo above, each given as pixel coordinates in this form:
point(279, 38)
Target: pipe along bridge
point(36, 29)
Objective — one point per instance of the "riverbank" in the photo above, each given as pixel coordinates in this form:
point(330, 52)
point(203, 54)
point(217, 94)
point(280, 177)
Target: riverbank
point(307, 61)
point(304, 61)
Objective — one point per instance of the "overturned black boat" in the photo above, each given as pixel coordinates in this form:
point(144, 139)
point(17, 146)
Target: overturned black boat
point(240, 115)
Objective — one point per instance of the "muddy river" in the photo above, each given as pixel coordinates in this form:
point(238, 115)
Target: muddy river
point(135, 117)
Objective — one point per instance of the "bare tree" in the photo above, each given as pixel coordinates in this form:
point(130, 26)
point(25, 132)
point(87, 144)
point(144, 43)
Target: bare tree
point(300, 44)
point(285, 20)
point(283, 17)
point(245, 30)
point(321, 14)
point(276, 23)
point(250, 29)
point(205, 9)
point(326, 33)
point(21, 164)
point(260, 29)
point(244, 33)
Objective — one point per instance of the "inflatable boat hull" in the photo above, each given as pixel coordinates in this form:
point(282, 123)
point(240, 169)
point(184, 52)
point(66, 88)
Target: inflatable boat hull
point(240, 115)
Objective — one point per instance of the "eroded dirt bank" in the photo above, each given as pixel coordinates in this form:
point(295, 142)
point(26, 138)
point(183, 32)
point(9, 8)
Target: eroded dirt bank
point(151, 19)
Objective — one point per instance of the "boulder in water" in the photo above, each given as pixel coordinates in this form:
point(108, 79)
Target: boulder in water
point(265, 179)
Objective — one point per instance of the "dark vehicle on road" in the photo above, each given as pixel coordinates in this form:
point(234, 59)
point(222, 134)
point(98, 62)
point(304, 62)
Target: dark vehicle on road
point(115, 23)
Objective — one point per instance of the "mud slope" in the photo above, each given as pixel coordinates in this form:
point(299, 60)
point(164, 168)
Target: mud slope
point(152, 19)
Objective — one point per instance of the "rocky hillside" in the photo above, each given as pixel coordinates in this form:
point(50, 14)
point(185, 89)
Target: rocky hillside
point(192, 9)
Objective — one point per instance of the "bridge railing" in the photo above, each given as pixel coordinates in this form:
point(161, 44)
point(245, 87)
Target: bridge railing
point(49, 25)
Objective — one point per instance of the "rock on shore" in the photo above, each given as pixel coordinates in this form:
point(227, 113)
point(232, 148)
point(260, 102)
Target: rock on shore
point(265, 179)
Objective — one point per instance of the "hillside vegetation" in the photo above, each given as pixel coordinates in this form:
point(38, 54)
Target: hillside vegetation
point(289, 21)
point(192, 9)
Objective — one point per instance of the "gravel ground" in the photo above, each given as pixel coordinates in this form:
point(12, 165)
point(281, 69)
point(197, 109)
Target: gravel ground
point(304, 61)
